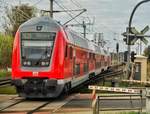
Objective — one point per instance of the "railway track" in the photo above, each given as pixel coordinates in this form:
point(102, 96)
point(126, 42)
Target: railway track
point(77, 102)
point(11, 105)
point(109, 74)
point(6, 81)
point(105, 75)
point(12, 108)
point(37, 106)
point(94, 80)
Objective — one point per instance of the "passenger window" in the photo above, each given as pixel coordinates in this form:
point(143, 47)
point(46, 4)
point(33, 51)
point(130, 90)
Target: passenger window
point(85, 68)
point(93, 56)
point(90, 55)
point(77, 69)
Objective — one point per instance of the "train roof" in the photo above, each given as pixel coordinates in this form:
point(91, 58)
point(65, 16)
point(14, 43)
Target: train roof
point(47, 24)
point(76, 39)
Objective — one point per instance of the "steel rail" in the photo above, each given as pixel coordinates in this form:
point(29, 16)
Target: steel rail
point(97, 78)
point(5, 82)
point(39, 107)
point(20, 101)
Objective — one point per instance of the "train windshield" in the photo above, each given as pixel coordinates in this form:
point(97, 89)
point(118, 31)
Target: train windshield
point(36, 48)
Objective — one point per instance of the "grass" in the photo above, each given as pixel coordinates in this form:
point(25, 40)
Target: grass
point(125, 113)
point(4, 73)
point(7, 90)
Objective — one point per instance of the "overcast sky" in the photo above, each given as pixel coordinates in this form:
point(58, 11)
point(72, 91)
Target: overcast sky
point(111, 16)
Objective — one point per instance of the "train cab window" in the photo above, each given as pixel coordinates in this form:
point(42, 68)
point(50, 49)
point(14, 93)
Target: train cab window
point(71, 52)
point(36, 48)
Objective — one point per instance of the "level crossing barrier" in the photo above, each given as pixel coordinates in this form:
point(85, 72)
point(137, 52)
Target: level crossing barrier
point(96, 98)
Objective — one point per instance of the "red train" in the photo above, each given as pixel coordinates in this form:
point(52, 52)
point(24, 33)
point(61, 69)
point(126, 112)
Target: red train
point(49, 58)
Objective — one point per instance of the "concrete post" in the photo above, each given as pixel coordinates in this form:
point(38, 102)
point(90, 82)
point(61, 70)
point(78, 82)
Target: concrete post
point(147, 100)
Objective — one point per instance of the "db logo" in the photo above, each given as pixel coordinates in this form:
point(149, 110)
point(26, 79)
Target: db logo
point(35, 73)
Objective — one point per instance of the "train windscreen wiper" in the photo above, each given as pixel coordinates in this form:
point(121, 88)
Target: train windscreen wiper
point(45, 53)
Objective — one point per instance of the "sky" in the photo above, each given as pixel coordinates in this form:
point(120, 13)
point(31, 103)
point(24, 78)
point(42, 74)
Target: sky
point(111, 17)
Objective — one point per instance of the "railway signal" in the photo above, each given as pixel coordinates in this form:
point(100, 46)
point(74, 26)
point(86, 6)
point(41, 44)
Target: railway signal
point(133, 56)
point(117, 47)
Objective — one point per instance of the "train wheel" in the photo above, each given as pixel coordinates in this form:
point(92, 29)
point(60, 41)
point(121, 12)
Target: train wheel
point(66, 89)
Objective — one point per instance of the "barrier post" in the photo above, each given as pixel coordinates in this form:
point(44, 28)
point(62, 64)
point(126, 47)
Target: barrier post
point(141, 100)
point(94, 101)
point(98, 105)
point(94, 109)
point(103, 81)
point(147, 100)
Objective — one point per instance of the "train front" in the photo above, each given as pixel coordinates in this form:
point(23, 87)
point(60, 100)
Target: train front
point(37, 59)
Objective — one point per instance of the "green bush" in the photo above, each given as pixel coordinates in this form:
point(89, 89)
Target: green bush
point(6, 43)
point(7, 90)
point(4, 73)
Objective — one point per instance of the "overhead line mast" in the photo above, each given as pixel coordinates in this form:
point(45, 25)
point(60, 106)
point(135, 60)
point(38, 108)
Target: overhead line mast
point(72, 17)
point(51, 8)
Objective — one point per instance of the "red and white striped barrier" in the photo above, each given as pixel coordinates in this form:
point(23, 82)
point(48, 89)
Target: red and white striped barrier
point(114, 89)
point(136, 81)
point(94, 98)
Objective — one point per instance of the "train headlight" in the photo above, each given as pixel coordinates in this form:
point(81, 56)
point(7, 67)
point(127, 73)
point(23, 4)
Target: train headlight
point(24, 63)
point(43, 63)
point(48, 55)
point(28, 63)
point(47, 63)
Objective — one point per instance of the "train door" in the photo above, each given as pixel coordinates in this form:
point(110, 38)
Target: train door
point(71, 60)
point(74, 62)
point(137, 71)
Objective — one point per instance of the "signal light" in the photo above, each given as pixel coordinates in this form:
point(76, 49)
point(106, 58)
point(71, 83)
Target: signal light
point(125, 40)
point(133, 56)
point(117, 47)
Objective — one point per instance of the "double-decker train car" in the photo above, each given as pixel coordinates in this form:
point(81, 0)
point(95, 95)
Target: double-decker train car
point(48, 59)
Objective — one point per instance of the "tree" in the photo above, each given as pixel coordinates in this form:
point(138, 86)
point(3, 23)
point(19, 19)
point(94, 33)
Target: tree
point(16, 16)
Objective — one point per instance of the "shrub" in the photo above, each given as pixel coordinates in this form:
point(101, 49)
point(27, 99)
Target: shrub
point(6, 43)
